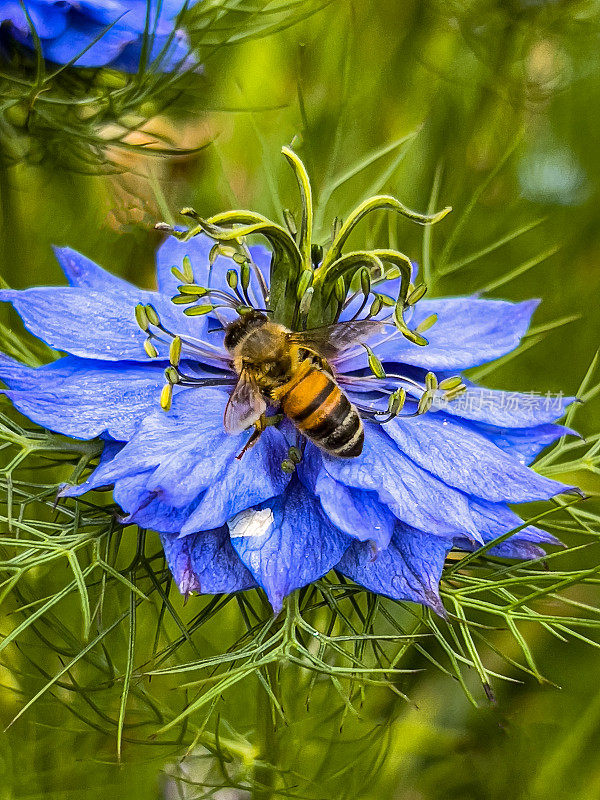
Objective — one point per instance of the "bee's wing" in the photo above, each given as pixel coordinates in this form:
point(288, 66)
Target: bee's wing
point(245, 406)
point(331, 341)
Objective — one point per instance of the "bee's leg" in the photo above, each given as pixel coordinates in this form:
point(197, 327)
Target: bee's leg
point(259, 426)
point(254, 437)
point(318, 359)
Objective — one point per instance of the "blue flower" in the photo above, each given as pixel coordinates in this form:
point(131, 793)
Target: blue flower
point(423, 484)
point(104, 32)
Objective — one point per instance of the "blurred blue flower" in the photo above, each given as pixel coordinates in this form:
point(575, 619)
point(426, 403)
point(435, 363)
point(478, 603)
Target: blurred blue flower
point(104, 32)
point(386, 519)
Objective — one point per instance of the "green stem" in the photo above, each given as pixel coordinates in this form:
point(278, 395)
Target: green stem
point(264, 773)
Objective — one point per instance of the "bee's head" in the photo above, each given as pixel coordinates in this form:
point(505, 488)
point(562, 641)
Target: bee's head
point(240, 327)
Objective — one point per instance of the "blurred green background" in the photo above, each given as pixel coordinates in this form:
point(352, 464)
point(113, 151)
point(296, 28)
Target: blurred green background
point(489, 106)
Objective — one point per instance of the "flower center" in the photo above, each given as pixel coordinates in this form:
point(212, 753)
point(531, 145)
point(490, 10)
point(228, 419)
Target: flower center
point(328, 303)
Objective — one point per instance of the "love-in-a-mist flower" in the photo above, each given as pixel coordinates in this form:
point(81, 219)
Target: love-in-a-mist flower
point(440, 462)
point(100, 33)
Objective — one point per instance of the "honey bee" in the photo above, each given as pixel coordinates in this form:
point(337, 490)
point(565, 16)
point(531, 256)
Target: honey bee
point(290, 370)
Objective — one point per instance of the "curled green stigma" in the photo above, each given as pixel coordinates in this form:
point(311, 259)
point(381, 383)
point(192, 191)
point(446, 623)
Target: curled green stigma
point(310, 282)
point(311, 286)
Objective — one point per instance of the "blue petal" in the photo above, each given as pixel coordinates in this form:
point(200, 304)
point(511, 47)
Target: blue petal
point(79, 35)
point(525, 443)
point(169, 51)
point(496, 519)
point(468, 461)
point(206, 562)
point(512, 548)
point(469, 331)
point(132, 14)
point(85, 273)
point(48, 22)
point(287, 542)
point(411, 493)
point(242, 483)
point(507, 409)
point(145, 508)
point(171, 254)
point(67, 29)
point(94, 324)
point(189, 436)
point(353, 511)
point(409, 569)
point(188, 462)
point(84, 398)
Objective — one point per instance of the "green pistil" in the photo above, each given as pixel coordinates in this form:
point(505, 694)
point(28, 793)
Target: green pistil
point(309, 283)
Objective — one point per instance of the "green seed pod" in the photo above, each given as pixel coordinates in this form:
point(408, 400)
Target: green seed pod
point(166, 396)
point(365, 282)
point(304, 283)
point(375, 364)
point(427, 323)
point(425, 403)
point(452, 394)
point(226, 250)
point(197, 311)
point(151, 351)
point(306, 301)
point(396, 401)
point(232, 279)
point(152, 315)
point(340, 290)
point(413, 336)
point(386, 300)
point(245, 275)
point(214, 252)
point(193, 289)
point(376, 306)
point(172, 376)
point(450, 383)
point(431, 382)
point(141, 317)
point(178, 274)
point(188, 272)
point(416, 294)
point(175, 351)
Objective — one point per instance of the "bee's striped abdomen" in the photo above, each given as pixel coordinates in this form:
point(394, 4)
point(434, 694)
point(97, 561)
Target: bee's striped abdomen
point(324, 414)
